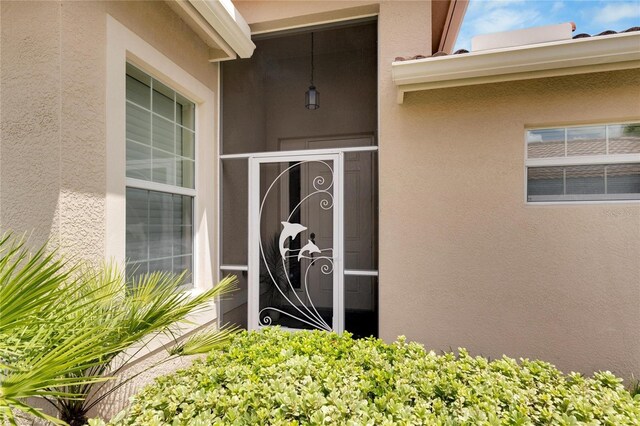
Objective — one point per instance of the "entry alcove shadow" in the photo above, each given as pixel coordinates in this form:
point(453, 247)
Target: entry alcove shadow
point(263, 111)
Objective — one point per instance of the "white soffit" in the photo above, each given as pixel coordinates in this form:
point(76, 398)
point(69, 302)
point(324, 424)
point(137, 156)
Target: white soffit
point(568, 57)
point(225, 19)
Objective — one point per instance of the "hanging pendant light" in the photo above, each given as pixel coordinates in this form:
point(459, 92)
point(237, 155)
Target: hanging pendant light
point(312, 96)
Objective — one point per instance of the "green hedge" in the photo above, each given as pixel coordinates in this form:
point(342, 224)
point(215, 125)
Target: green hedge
point(280, 378)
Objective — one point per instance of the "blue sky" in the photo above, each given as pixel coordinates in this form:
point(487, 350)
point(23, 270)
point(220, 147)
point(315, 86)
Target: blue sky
point(590, 16)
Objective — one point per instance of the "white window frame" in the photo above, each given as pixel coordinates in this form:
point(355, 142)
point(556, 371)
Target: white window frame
point(576, 161)
point(125, 46)
point(150, 185)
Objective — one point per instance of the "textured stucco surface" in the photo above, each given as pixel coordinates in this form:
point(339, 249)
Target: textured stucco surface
point(53, 140)
point(463, 260)
point(30, 86)
point(469, 264)
point(82, 130)
point(52, 121)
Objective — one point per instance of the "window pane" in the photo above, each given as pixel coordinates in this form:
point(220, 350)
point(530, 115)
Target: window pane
point(544, 181)
point(163, 167)
point(184, 173)
point(138, 124)
point(163, 134)
point(624, 138)
point(586, 141)
point(163, 100)
point(623, 179)
point(137, 218)
point(160, 211)
point(138, 160)
point(182, 210)
point(135, 269)
point(159, 232)
point(185, 112)
point(182, 264)
point(162, 265)
point(584, 183)
point(545, 143)
point(182, 243)
point(160, 225)
point(182, 225)
point(138, 87)
point(584, 180)
point(185, 142)
point(138, 92)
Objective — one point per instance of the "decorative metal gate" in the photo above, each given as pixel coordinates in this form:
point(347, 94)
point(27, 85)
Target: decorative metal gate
point(296, 269)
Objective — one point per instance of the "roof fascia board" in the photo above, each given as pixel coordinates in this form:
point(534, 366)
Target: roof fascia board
point(605, 53)
point(219, 50)
point(227, 21)
point(455, 16)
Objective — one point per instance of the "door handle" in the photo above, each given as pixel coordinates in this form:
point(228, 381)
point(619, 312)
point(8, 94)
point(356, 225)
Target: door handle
point(312, 238)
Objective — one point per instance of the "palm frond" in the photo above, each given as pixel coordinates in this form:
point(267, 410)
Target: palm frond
point(204, 341)
point(63, 325)
point(29, 284)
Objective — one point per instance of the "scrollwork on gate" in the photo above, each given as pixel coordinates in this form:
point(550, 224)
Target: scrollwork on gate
point(305, 313)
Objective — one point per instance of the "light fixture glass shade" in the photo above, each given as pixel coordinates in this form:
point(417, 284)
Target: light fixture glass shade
point(312, 98)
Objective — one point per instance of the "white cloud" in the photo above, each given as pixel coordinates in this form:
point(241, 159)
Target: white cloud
point(557, 6)
point(505, 19)
point(488, 5)
point(490, 16)
point(614, 12)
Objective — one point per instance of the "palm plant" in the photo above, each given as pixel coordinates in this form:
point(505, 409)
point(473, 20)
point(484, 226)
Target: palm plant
point(66, 329)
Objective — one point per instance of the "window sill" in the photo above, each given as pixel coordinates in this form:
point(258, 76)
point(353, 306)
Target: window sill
point(584, 202)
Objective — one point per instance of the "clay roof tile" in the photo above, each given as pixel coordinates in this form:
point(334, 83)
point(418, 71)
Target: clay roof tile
point(462, 51)
point(581, 35)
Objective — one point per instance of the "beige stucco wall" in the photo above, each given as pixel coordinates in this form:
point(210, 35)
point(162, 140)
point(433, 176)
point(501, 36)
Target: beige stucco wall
point(463, 260)
point(53, 180)
point(30, 81)
point(53, 150)
point(469, 264)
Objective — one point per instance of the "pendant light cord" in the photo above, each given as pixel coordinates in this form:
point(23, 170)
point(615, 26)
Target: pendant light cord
point(312, 59)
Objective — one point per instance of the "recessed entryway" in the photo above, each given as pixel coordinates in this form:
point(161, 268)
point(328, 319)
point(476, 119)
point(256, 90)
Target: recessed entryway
point(299, 185)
